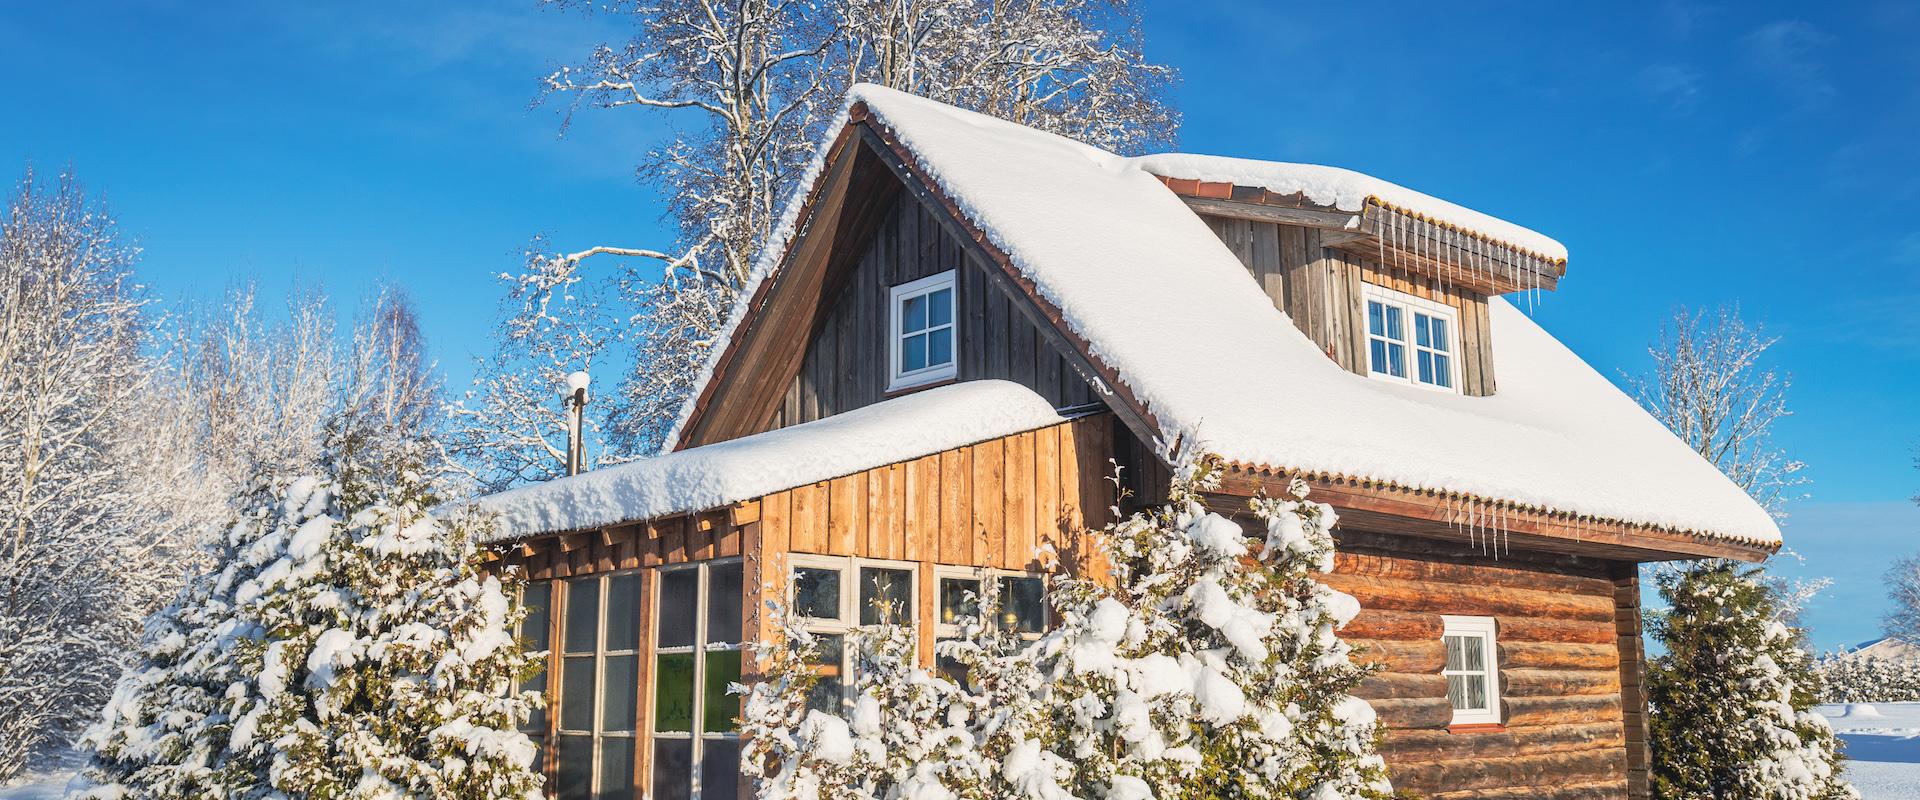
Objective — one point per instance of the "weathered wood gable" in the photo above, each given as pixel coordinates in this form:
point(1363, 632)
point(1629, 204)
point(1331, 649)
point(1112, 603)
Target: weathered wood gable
point(845, 366)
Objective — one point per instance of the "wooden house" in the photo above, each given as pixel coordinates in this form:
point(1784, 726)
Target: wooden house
point(965, 324)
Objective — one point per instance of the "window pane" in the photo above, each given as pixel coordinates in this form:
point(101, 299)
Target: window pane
point(672, 769)
point(1397, 360)
point(1457, 692)
point(1376, 319)
point(959, 597)
point(616, 769)
point(673, 692)
point(719, 769)
point(913, 352)
point(1022, 607)
point(832, 647)
point(678, 604)
point(583, 614)
point(1475, 691)
point(824, 697)
point(913, 314)
point(941, 310)
point(1377, 352)
point(1425, 360)
point(576, 693)
point(723, 603)
point(940, 347)
point(1421, 334)
point(1474, 652)
point(816, 592)
point(575, 779)
point(1395, 327)
point(619, 690)
point(1442, 372)
point(890, 590)
point(1456, 653)
point(623, 612)
point(720, 709)
point(538, 600)
point(1439, 334)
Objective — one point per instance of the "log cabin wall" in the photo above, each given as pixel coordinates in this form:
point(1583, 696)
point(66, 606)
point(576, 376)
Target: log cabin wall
point(1320, 289)
point(1563, 733)
point(845, 366)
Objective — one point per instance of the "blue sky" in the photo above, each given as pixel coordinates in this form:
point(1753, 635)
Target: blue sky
point(1751, 153)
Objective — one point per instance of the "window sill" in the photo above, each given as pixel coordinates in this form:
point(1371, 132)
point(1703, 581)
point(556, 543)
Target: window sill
point(897, 391)
point(1477, 727)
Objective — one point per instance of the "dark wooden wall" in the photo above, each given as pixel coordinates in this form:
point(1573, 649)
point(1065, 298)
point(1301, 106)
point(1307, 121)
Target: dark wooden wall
point(1563, 735)
point(1319, 287)
point(846, 360)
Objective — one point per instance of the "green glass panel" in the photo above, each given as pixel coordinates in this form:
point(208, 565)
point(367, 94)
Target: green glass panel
point(723, 667)
point(673, 692)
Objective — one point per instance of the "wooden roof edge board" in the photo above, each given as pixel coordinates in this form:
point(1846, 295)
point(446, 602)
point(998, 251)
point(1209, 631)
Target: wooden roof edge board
point(1440, 514)
point(802, 226)
point(1494, 282)
point(1285, 215)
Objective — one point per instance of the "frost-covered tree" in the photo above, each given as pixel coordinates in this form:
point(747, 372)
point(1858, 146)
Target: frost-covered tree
point(346, 646)
point(75, 545)
point(1731, 698)
point(1711, 386)
point(1851, 677)
point(748, 87)
point(1903, 591)
point(1207, 666)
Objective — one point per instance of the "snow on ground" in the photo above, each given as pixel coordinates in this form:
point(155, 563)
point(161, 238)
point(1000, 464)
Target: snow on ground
point(1883, 747)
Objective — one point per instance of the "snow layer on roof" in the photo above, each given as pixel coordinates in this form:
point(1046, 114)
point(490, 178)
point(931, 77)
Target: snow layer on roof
point(715, 475)
point(1151, 289)
point(1346, 190)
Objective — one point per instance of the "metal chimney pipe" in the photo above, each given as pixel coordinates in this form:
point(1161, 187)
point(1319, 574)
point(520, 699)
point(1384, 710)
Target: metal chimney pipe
point(576, 414)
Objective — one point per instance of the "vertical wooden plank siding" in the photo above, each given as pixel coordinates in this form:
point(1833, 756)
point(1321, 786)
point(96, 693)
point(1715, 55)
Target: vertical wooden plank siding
point(1562, 729)
point(845, 365)
point(1320, 289)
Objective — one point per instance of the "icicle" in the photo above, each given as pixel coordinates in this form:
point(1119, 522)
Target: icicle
point(1379, 236)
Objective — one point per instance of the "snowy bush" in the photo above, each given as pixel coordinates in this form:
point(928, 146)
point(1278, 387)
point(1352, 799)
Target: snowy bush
point(1206, 667)
point(345, 646)
point(1731, 699)
point(1848, 677)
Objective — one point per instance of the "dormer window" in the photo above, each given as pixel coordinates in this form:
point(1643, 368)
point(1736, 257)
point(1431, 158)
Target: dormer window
point(1411, 339)
point(922, 332)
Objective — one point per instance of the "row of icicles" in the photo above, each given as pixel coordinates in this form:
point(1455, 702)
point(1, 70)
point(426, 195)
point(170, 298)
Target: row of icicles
point(1453, 254)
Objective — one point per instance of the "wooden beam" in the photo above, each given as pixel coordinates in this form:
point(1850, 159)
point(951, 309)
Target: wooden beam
point(1331, 219)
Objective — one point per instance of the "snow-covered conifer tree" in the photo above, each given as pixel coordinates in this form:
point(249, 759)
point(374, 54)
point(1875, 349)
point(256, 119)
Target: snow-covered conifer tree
point(1206, 667)
point(1731, 698)
point(346, 647)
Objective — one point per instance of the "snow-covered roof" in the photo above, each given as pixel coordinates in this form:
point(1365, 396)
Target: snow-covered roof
point(1156, 296)
point(1345, 190)
point(716, 475)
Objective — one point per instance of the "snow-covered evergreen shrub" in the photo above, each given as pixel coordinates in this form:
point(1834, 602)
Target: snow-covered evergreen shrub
point(1206, 667)
point(1848, 677)
point(1731, 697)
point(347, 646)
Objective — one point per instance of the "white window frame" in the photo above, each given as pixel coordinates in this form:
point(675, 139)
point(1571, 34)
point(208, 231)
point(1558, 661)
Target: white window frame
point(1408, 304)
point(947, 630)
point(896, 297)
point(1485, 629)
point(700, 647)
point(849, 568)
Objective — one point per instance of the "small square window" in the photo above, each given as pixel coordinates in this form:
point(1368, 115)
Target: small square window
point(1410, 339)
point(1472, 669)
point(922, 332)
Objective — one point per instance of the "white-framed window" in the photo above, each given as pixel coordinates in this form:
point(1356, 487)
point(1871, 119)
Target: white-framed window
point(923, 332)
point(832, 595)
point(1412, 339)
point(1472, 669)
point(599, 678)
point(697, 652)
point(1022, 597)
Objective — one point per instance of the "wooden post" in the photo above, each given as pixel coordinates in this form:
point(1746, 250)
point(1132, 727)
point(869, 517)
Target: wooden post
point(1633, 686)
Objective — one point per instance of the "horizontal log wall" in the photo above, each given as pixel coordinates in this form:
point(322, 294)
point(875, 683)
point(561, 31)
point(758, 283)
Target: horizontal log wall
point(1320, 289)
point(1563, 732)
